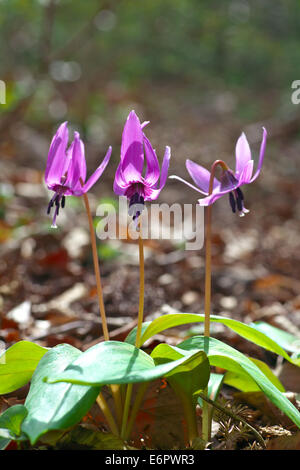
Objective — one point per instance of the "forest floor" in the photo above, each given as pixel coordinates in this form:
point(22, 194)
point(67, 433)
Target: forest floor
point(47, 284)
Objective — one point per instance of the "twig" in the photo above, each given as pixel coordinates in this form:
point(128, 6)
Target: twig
point(233, 416)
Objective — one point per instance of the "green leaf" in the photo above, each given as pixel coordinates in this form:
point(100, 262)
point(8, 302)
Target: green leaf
point(17, 365)
point(226, 357)
point(171, 320)
point(245, 383)
point(286, 340)
point(4, 443)
point(55, 406)
point(113, 362)
point(189, 377)
point(11, 420)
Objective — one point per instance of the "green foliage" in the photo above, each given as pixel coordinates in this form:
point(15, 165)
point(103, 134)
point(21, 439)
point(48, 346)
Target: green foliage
point(17, 365)
point(249, 332)
point(121, 363)
point(11, 421)
point(226, 357)
point(186, 379)
point(56, 406)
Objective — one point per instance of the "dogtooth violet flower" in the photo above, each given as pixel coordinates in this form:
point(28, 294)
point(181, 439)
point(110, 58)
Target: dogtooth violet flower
point(66, 169)
point(230, 181)
point(137, 152)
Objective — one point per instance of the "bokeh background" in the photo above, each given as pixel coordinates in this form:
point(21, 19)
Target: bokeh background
point(201, 72)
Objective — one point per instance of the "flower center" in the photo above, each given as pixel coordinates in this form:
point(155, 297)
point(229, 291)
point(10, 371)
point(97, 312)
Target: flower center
point(136, 198)
point(228, 180)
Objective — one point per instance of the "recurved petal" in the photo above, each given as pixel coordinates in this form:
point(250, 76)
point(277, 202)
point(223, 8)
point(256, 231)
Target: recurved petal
point(153, 193)
point(98, 172)
point(165, 167)
point(246, 174)
point(144, 124)
point(152, 170)
point(57, 155)
point(242, 154)
point(77, 167)
point(201, 176)
point(175, 177)
point(261, 154)
point(120, 185)
point(208, 200)
point(132, 154)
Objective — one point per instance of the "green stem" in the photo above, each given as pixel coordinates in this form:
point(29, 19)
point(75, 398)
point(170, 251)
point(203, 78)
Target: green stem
point(107, 413)
point(126, 410)
point(136, 406)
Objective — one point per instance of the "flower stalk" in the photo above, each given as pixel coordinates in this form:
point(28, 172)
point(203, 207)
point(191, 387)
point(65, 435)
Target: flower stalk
point(114, 388)
point(206, 411)
point(124, 431)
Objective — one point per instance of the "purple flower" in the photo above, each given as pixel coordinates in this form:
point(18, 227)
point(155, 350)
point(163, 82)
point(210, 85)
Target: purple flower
point(230, 181)
point(136, 148)
point(66, 169)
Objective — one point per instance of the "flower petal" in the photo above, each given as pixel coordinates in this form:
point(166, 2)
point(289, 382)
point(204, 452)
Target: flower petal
point(200, 175)
point(151, 193)
point(56, 162)
point(120, 185)
point(165, 167)
point(153, 170)
point(242, 154)
point(132, 154)
point(77, 167)
point(208, 200)
point(261, 154)
point(175, 177)
point(98, 172)
point(246, 174)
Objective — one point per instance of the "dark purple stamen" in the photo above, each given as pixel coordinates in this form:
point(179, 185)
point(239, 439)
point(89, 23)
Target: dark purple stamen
point(240, 194)
point(136, 205)
point(232, 202)
point(59, 201)
point(50, 205)
point(236, 199)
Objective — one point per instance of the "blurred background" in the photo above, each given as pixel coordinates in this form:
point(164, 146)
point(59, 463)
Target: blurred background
point(201, 72)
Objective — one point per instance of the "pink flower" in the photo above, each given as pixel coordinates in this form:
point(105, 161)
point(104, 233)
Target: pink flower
point(129, 181)
point(66, 169)
point(230, 181)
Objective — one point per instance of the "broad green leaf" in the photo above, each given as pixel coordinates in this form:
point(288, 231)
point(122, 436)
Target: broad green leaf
point(4, 443)
point(55, 406)
point(171, 320)
point(245, 383)
point(187, 378)
point(17, 365)
point(113, 362)
point(286, 340)
point(11, 420)
point(226, 357)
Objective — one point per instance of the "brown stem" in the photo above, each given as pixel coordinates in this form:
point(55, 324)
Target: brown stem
point(206, 420)
point(208, 249)
point(96, 268)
